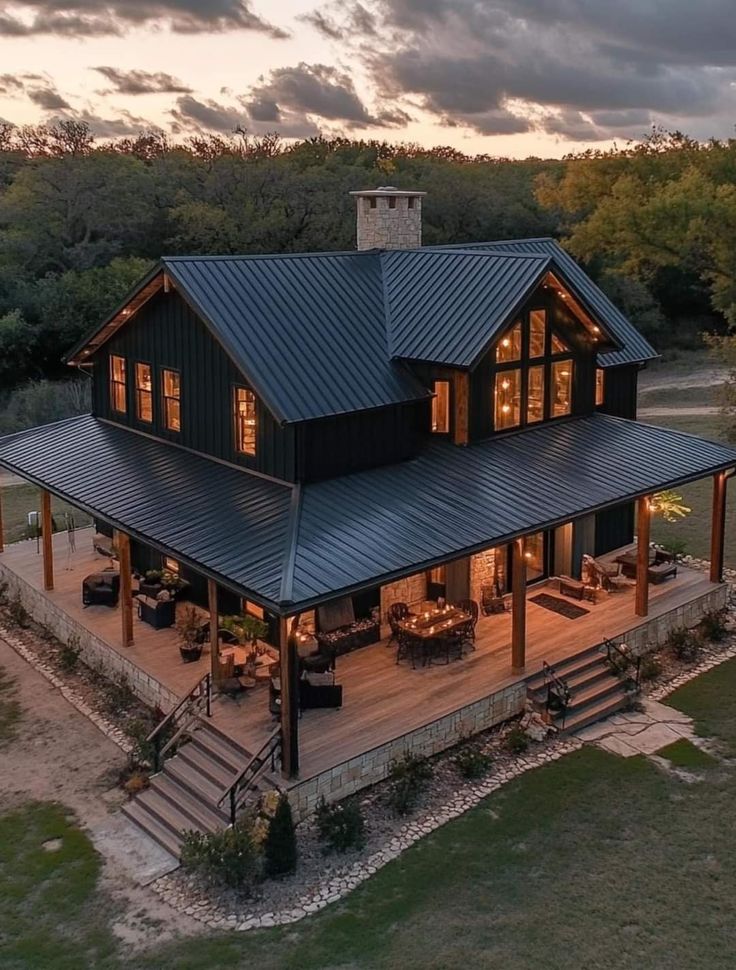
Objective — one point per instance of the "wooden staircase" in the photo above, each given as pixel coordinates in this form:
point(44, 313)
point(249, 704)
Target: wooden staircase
point(185, 795)
point(595, 691)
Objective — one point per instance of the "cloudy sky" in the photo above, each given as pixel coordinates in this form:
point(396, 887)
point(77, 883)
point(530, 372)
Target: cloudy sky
point(508, 77)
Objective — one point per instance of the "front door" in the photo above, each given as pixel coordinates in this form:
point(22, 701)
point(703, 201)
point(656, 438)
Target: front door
point(538, 552)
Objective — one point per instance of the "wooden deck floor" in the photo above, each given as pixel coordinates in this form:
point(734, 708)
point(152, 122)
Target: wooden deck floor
point(382, 701)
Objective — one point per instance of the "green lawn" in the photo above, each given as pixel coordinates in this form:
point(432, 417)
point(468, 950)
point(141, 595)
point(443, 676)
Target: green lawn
point(682, 397)
point(19, 500)
point(685, 754)
point(593, 862)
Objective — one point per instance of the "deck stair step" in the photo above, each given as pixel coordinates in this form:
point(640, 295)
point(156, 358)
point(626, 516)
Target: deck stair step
point(185, 795)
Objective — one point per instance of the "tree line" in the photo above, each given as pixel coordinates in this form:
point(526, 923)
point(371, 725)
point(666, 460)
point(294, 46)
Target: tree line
point(82, 220)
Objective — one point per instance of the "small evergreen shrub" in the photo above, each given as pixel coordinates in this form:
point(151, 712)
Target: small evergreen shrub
point(713, 626)
point(138, 730)
point(409, 777)
point(651, 667)
point(69, 654)
point(678, 547)
point(472, 763)
point(684, 644)
point(517, 740)
point(229, 858)
point(280, 845)
point(341, 827)
point(18, 613)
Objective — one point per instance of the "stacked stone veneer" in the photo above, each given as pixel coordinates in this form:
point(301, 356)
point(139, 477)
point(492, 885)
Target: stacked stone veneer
point(95, 652)
point(411, 590)
point(483, 567)
point(382, 227)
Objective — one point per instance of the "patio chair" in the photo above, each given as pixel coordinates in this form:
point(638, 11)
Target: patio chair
point(606, 575)
point(472, 608)
point(396, 612)
point(491, 599)
point(408, 647)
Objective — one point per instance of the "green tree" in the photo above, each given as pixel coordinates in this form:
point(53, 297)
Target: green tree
point(280, 853)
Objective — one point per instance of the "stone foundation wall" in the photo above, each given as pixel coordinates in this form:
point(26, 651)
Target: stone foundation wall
point(373, 766)
point(95, 652)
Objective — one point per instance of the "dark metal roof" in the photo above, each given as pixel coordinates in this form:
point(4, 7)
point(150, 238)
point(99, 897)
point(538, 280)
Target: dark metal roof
point(448, 306)
point(290, 548)
point(308, 331)
point(227, 523)
point(634, 347)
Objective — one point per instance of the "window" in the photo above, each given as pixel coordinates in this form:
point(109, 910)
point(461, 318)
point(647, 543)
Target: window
point(559, 346)
point(245, 421)
point(171, 386)
point(600, 386)
point(537, 333)
point(561, 388)
point(507, 394)
point(117, 384)
point(143, 392)
point(441, 407)
point(535, 395)
point(509, 347)
point(170, 565)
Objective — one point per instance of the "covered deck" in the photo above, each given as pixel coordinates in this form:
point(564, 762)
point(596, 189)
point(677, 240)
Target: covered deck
point(383, 701)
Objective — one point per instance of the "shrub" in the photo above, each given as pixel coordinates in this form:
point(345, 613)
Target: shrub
point(341, 827)
point(18, 613)
point(713, 626)
point(684, 645)
point(409, 777)
point(678, 547)
point(517, 740)
point(472, 763)
point(118, 696)
point(3, 594)
point(280, 845)
point(136, 783)
point(138, 730)
point(229, 858)
point(69, 654)
point(651, 667)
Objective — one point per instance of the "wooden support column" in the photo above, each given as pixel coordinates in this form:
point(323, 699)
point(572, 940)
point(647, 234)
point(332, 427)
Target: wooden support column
point(214, 626)
point(126, 592)
point(289, 697)
point(47, 539)
point(518, 605)
point(643, 528)
point(461, 429)
point(718, 527)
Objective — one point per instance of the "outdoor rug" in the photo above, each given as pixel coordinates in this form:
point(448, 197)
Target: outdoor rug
point(557, 605)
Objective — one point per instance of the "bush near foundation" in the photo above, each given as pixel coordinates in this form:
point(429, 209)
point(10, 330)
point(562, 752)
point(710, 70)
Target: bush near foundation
point(409, 776)
point(684, 644)
point(341, 827)
point(229, 858)
point(713, 626)
point(280, 846)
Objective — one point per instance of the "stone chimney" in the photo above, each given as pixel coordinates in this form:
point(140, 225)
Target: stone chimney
point(389, 218)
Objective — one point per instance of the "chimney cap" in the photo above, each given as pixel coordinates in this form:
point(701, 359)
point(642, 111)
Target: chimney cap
point(386, 190)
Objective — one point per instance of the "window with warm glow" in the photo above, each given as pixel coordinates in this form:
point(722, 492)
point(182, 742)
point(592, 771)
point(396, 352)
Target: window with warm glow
point(171, 565)
point(245, 421)
point(507, 394)
point(600, 386)
point(535, 395)
point(558, 345)
point(537, 333)
point(561, 388)
point(143, 392)
point(441, 407)
point(509, 346)
point(171, 387)
point(118, 400)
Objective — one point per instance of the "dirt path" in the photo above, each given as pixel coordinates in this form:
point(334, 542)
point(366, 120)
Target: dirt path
point(659, 379)
point(662, 412)
point(59, 755)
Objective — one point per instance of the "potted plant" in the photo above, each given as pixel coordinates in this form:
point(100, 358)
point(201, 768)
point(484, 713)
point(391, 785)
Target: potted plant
point(172, 582)
point(247, 630)
point(150, 585)
point(189, 631)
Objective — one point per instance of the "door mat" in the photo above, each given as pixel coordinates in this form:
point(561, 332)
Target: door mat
point(569, 610)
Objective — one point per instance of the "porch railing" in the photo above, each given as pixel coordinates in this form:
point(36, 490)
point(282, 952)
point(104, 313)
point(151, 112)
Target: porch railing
point(245, 782)
point(622, 661)
point(559, 694)
point(168, 731)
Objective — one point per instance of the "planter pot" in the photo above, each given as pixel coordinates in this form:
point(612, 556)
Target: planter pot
point(150, 589)
point(190, 654)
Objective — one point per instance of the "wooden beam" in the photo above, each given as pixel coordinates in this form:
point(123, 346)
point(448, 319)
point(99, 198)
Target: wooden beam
point(289, 697)
point(47, 538)
point(643, 528)
point(461, 428)
point(214, 625)
point(718, 527)
point(518, 605)
point(126, 591)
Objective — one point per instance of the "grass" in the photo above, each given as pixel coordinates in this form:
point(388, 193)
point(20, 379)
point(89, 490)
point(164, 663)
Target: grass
point(19, 500)
point(703, 699)
point(684, 754)
point(667, 397)
point(10, 712)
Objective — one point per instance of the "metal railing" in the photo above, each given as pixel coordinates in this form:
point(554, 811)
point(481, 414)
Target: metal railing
point(168, 731)
point(621, 662)
point(246, 780)
point(559, 694)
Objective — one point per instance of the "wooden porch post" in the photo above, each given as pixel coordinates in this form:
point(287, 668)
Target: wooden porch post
point(718, 527)
point(518, 605)
point(126, 591)
point(461, 434)
point(214, 624)
point(289, 698)
point(643, 526)
point(47, 539)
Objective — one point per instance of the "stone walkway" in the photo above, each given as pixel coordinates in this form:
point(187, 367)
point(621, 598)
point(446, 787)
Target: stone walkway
point(639, 732)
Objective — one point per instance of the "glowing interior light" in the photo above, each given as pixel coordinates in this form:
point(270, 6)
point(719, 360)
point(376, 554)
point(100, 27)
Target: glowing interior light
point(506, 408)
point(505, 385)
point(505, 342)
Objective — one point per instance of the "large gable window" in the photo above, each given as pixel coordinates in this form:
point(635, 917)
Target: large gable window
point(143, 393)
point(244, 405)
point(118, 400)
point(534, 374)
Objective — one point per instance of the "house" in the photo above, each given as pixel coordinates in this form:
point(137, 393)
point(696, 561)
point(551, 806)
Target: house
point(310, 438)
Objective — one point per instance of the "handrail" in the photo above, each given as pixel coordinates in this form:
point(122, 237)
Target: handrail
point(561, 690)
point(628, 658)
point(200, 696)
point(251, 773)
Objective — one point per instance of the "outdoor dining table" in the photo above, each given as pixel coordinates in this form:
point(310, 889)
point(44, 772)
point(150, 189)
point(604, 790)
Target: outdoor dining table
point(435, 626)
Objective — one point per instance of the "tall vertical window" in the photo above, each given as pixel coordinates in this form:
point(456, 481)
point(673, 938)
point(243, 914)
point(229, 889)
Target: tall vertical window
point(171, 387)
point(507, 395)
point(245, 420)
point(143, 392)
point(509, 347)
point(535, 395)
point(600, 386)
point(118, 400)
point(441, 407)
point(561, 388)
point(537, 333)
